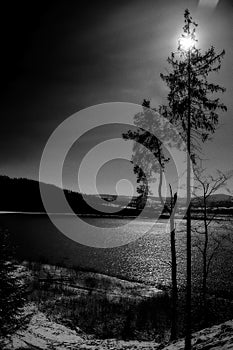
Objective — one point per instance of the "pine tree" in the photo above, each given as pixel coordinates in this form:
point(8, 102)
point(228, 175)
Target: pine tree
point(12, 289)
point(193, 108)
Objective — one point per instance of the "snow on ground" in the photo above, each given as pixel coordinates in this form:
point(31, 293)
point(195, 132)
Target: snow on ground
point(43, 334)
point(113, 344)
point(218, 337)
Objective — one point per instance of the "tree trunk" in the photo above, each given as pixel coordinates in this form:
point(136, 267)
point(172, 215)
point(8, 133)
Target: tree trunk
point(188, 333)
point(204, 282)
point(174, 280)
point(204, 277)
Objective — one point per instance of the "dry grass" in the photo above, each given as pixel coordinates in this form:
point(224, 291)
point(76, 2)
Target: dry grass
point(100, 305)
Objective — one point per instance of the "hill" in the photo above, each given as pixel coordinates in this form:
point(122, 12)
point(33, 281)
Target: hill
point(215, 200)
point(23, 195)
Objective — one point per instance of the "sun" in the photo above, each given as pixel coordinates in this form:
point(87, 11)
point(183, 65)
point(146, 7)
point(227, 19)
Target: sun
point(186, 43)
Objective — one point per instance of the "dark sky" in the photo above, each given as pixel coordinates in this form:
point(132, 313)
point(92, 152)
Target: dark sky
point(60, 57)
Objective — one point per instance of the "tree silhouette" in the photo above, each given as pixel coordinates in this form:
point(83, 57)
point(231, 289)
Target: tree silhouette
point(149, 159)
point(208, 241)
point(193, 109)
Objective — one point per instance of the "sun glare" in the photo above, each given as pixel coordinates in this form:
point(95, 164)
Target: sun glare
point(186, 43)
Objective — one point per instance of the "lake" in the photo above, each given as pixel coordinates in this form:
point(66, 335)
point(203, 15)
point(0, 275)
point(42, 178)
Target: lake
point(146, 259)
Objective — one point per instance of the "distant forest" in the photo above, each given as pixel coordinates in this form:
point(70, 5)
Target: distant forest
point(23, 195)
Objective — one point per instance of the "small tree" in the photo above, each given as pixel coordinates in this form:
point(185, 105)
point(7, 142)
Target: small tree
point(12, 289)
point(149, 159)
point(193, 109)
point(205, 187)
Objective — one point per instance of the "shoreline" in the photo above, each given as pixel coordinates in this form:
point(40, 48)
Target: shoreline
point(223, 217)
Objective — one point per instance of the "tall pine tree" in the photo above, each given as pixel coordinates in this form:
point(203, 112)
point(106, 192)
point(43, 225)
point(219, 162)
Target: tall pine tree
point(193, 108)
point(189, 87)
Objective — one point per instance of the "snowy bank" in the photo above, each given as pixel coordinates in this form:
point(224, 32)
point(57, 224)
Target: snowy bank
point(44, 334)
